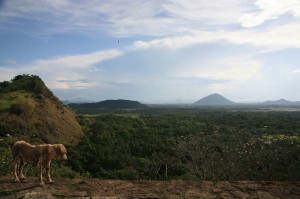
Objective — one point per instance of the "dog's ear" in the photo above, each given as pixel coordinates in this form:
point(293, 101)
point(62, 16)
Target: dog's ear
point(60, 149)
point(52, 151)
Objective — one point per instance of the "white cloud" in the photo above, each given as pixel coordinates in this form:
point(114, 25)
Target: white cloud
point(176, 42)
point(168, 42)
point(270, 39)
point(270, 9)
point(120, 18)
point(233, 69)
point(296, 71)
point(64, 72)
point(77, 61)
point(207, 12)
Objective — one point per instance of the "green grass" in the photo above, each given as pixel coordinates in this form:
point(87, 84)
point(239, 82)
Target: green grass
point(20, 97)
point(294, 138)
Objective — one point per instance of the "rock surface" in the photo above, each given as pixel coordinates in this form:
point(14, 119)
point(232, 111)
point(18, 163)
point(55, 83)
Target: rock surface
point(118, 189)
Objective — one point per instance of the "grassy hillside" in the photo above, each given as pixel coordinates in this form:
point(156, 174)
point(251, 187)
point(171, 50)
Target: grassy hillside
point(30, 111)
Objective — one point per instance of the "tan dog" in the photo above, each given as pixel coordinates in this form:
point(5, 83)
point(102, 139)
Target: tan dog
point(36, 155)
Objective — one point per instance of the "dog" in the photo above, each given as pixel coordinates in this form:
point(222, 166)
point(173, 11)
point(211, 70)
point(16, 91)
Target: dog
point(36, 155)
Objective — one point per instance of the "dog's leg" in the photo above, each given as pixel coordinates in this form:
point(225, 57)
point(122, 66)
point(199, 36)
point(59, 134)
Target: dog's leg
point(15, 166)
point(48, 172)
point(40, 173)
point(22, 164)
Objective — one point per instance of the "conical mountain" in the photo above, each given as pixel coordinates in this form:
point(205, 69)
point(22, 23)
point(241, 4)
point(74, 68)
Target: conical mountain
point(30, 111)
point(214, 100)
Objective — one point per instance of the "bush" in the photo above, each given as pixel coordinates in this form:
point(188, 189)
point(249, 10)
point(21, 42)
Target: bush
point(60, 170)
point(4, 84)
point(16, 109)
point(5, 155)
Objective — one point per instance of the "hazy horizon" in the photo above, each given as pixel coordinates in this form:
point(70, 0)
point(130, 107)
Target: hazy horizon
point(175, 101)
point(158, 51)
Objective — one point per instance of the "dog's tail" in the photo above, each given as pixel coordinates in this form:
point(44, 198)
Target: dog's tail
point(8, 141)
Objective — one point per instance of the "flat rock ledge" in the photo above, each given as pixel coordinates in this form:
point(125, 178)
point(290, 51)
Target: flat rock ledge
point(174, 189)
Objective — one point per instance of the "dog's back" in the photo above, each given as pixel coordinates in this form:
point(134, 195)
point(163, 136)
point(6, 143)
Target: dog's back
point(24, 150)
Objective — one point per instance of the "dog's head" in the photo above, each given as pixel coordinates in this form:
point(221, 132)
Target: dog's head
point(59, 151)
point(62, 151)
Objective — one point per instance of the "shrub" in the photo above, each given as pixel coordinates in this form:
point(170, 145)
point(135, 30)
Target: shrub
point(4, 84)
point(5, 155)
point(16, 109)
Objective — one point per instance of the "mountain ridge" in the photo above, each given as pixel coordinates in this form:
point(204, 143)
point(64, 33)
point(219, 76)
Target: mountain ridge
point(282, 102)
point(113, 104)
point(218, 100)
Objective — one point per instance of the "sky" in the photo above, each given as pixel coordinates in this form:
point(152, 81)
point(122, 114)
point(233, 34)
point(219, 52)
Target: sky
point(154, 51)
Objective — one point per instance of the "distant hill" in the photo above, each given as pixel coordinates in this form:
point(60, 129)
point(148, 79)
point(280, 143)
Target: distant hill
point(111, 104)
point(214, 100)
point(218, 100)
point(30, 111)
point(66, 102)
point(281, 102)
point(76, 101)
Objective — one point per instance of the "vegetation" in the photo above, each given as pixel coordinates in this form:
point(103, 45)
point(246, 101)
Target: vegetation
point(193, 144)
point(189, 144)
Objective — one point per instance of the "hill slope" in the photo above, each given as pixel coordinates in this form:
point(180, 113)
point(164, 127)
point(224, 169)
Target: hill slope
point(214, 99)
point(30, 111)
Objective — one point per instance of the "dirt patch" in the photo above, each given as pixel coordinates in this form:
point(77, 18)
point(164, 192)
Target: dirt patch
point(175, 189)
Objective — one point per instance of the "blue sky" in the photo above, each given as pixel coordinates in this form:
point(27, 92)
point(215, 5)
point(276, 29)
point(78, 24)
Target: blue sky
point(155, 51)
